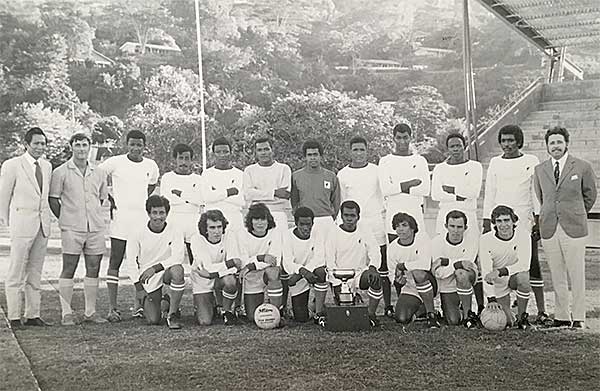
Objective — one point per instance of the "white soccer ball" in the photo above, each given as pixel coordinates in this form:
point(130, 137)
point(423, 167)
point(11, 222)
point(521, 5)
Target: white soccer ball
point(493, 319)
point(267, 316)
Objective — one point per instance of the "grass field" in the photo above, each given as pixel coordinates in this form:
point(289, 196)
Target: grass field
point(132, 355)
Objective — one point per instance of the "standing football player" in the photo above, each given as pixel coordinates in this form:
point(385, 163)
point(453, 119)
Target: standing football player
point(404, 180)
point(260, 249)
point(223, 185)
point(409, 257)
point(157, 249)
point(359, 182)
point(134, 177)
point(351, 247)
point(269, 182)
point(504, 255)
point(454, 254)
point(316, 188)
point(183, 189)
point(456, 184)
point(212, 269)
point(509, 182)
point(304, 260)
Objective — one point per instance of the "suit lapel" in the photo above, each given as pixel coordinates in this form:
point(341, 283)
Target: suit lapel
point(569, 164)
point(547, 167)
point(29, 174)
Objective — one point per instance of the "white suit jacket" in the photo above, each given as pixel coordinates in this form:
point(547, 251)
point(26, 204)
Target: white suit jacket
point(22, 204)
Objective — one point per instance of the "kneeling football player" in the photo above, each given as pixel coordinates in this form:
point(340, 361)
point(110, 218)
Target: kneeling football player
point(260, 251)
point(351, 247)
point(504, 254)
point(158, 251)
point(212, 269)
point(304, 260)
point(410, 257)
point(454, 254)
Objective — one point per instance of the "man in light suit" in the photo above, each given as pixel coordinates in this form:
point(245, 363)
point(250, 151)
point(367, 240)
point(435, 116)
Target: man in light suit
point(566, 188)
point(24, 186)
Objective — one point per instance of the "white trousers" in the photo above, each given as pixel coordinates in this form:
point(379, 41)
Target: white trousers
point(566, 258)
point(25, 275)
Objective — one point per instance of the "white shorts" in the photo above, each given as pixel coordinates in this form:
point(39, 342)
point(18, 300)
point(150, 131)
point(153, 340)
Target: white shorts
point(254, 283)
point(201, 284)
point(155, 282)
point(501, 286)
point(186, 223)
point(124, 220)
point(376, 225)
point(301, 286)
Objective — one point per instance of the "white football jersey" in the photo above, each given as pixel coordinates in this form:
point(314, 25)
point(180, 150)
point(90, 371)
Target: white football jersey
point(307, 253)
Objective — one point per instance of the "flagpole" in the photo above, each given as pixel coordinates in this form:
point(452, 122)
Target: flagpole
point(201, 80)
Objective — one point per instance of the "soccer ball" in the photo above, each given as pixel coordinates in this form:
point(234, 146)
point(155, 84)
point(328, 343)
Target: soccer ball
point(267, 316)
point(493, 319)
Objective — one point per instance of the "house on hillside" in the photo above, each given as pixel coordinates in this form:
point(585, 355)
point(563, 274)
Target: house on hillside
point(424, 51)
point(134, 48)
point(96, 58)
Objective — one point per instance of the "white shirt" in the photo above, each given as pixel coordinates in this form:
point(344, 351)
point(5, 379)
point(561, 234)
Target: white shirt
point(510, 182)
point(464, 251)
point(250, 246)
point(307, 253)
point(147, 248)
point(31, 162)
point(260, 183)
point(561, 163)
point(216, 183)
point(352, 250)
point(210, 256)
point(130, 180)
point(190, 186)
point(466, 179)
point(362, 185)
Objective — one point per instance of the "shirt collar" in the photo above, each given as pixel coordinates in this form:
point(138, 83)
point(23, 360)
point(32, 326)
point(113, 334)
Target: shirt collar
point(561, 161)
point(30, 159)
point(72, 166)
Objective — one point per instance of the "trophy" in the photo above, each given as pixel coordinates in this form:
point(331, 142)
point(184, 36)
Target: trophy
point(347, 314)
point(345, 297)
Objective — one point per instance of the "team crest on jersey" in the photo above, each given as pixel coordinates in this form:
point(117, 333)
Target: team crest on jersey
point(327, 184)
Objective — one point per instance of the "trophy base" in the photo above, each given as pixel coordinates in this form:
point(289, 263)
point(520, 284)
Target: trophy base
point(347, 318)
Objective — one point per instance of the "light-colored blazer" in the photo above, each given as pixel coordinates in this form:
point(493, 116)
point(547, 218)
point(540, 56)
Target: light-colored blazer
point(567, 202)
point(22, 205)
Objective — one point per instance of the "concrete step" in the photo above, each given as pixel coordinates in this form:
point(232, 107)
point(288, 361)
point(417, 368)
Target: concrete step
point(537, 141)
point(574, 105)
point(574, 133)
point(563, 114)
point(572, 90)
point(569, 123)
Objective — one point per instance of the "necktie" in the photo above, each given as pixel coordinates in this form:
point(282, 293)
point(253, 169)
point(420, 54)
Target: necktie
point(38, 174)
point(556, 173)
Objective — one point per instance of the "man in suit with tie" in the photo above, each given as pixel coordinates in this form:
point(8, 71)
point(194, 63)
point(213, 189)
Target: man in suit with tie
point(24, 186)
point(566, 188)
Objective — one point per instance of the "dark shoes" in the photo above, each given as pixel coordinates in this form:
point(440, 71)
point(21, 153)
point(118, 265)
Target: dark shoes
point(15, 324)
point(36, 322)
point(578, 324)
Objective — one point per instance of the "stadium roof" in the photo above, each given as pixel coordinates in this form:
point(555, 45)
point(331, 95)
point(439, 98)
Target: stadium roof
point(551, 24)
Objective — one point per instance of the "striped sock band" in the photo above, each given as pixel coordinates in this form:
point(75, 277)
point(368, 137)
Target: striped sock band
point(375, 294)
point(177, 287)
point(320, 287)
point(112, 280)
point(384, 273)
point(277, 292)
point(536, 283)
point(284, 277)
point(464, 292)
point(425, 288)
point(523, 295)
point(230, 296)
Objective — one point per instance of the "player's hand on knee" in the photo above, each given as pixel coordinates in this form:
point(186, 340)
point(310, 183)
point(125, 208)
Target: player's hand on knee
point(308, 275)
point(147, 274)
point(234, 262)
point(400, 277)
point(271, 260)
point(373, 276)
point(491, 277)
point(444, 261)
